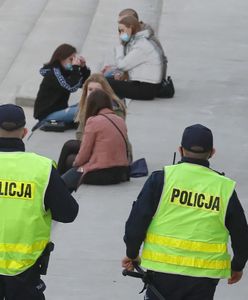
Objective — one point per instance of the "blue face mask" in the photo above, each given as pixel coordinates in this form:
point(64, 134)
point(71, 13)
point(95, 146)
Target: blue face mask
point(125, 37)
point(68, 67)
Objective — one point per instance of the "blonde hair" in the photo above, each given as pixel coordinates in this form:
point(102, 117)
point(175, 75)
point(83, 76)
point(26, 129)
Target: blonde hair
point(131, 22)
point(129, 12)
point(99, 78)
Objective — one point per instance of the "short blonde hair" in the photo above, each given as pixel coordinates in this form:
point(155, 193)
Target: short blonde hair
point(17, 133)
point(99, 78)
point(190, 154)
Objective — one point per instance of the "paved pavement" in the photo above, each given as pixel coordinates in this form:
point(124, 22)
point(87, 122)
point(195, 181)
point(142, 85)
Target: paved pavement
point(206, 43)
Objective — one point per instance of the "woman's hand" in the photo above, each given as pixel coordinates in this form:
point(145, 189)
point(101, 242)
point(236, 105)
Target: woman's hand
point(118, 75)
point(78, 61)
point(106, 69)
point(82, 61)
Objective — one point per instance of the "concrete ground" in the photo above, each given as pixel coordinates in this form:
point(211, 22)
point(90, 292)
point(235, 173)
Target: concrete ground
point(207, 47)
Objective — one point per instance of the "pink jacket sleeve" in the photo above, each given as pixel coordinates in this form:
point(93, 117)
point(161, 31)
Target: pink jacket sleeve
point(87, 144)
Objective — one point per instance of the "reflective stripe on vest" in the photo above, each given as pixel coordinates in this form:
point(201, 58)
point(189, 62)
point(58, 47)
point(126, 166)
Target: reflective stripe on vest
point(25, 223)
point(187, 234)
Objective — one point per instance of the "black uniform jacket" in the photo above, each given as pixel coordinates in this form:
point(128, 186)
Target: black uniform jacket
point(146, 205)
point(58, 199)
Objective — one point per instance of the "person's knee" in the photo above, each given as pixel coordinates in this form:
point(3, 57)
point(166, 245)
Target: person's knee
point(69, 161)
point(71, 147)
point(69, 143)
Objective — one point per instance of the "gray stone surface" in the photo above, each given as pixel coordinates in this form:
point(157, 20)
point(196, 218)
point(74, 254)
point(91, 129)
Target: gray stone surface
point(62, 21)
point(206, 43)
point(105, 37)
point(104, 28)
point(17, 19)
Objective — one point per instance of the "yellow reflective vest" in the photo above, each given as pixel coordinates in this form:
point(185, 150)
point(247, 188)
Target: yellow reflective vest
point(24, 222)
point(187, 235)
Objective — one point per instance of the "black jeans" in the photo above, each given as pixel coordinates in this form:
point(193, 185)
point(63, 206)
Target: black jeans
point(67, 155)
point(136, 90)
point(178, 287)
point(73, 178)
point(107, 176)
point(25, 286)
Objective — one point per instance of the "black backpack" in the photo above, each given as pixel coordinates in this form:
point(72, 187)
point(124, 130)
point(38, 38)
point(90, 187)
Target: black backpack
point(166, 90)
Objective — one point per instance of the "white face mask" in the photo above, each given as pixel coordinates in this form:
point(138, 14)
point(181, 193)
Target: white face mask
point(125, 37)
point(68, 67)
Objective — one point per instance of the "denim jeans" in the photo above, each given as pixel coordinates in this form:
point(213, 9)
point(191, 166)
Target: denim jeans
point(66, 115)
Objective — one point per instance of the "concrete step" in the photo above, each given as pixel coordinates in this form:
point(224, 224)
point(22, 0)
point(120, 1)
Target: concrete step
point(1, 2)
point(201, 38)
point(61, 21)
point(17, 19)
point(100, 41)
point(103, 33)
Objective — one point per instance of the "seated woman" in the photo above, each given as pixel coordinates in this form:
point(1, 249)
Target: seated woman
point(102, 158)
point(141, 58)
point(166, 89)
point(63, 75)
point(71, 147)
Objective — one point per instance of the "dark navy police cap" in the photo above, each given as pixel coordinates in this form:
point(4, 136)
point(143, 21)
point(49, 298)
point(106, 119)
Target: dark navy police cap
point(12, 117)
point(197, 138)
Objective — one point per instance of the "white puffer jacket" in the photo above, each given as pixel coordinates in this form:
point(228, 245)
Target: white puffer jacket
point(143, 60)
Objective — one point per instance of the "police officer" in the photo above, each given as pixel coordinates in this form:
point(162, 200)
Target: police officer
point(31, 195)
point(184, 215)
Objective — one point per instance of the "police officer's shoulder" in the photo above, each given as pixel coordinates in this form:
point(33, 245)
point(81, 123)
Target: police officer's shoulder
point(157, 176)
point(35, 155)
point(220, 173)
point(40, 157)
point(157, 173)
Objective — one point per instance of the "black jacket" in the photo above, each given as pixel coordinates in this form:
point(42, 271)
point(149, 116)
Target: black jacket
point(62, 205)
point(55, 88)
point(146, 205)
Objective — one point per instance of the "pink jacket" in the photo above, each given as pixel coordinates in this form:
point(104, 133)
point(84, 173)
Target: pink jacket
point(102, 145)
